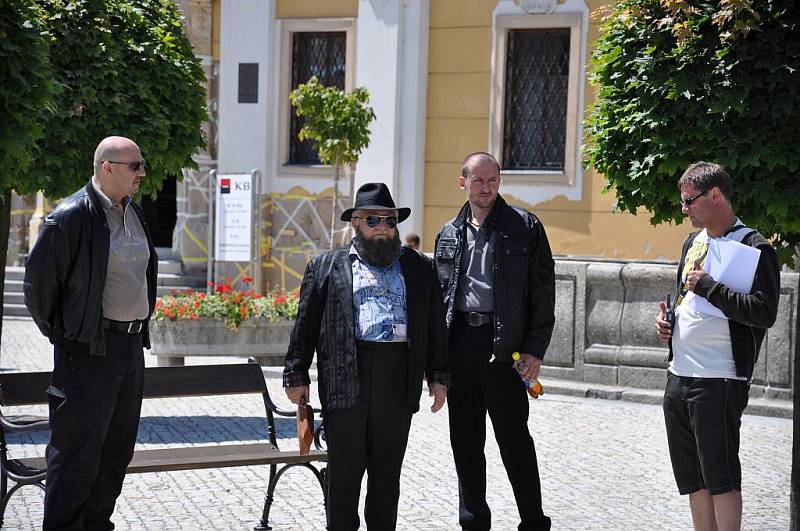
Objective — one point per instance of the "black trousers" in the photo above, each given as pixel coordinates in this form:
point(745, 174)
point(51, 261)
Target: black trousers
point(480, 386)
point(370, 437)
point(95, 403)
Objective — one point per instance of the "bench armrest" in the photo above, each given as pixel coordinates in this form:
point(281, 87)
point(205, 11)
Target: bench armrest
point(23, 423)
point(283, 412)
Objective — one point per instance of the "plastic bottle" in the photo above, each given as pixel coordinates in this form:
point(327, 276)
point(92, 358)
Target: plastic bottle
point(534, 388)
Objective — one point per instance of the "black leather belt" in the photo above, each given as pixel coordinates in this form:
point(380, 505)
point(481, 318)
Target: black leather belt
point(477, 318)
point(129, 327)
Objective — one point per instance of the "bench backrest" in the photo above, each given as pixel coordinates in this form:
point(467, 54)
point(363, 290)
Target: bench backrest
point(23, 388)
point(204, 380)
point(29, 388)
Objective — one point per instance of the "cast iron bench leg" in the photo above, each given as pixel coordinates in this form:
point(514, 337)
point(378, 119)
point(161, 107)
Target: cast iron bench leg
point(321, 476)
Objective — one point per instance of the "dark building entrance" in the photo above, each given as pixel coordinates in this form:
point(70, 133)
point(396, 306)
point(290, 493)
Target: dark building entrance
point(160, 214)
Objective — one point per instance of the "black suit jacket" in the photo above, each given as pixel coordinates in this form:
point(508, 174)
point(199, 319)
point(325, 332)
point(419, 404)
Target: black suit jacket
point(325, 323)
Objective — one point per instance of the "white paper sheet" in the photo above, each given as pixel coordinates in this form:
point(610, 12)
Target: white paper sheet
point(731, 263)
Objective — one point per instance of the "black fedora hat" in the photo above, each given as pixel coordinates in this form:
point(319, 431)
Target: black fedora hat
point(375, 196)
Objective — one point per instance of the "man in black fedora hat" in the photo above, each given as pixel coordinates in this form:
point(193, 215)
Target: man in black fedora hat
point(373, 313)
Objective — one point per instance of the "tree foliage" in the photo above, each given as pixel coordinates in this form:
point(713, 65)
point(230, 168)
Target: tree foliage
point(27, 88)
point(127, 68)
point(337, 122)
point(682, 81)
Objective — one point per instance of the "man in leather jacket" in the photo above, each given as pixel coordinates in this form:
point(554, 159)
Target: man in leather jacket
point(90, 285)
point(497, 274)
point(372, 311)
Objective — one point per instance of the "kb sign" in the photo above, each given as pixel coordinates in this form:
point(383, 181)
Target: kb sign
point(234, 218)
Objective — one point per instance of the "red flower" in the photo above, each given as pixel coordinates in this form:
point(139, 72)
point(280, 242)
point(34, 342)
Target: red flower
point(247, 280)
point(210, 283)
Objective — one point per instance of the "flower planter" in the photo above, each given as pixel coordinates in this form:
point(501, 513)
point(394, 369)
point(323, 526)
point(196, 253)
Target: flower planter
point(262, 339)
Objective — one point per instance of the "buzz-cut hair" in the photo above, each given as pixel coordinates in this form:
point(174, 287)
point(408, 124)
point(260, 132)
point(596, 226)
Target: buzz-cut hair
point(481, 156)
point(706, 175)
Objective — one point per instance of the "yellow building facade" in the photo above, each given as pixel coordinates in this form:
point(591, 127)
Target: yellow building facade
point(439, 73)
point(458, 120)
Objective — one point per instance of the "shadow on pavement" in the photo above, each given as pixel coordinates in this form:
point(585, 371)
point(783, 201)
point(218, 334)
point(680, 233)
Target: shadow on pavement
point(190, 429)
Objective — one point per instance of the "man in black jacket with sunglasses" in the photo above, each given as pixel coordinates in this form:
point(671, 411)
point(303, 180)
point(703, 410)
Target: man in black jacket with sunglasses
point(373, 314)
point(90, 285)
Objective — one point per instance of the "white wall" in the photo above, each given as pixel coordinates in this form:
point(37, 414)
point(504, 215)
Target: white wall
point(392, 63)
point(246, 29)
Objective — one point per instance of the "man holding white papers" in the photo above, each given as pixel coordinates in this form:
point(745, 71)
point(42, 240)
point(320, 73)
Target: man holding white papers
point(728, 287)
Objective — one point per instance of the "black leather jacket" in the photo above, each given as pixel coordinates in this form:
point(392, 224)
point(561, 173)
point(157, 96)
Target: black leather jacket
point(523, 282)
point(66, 273)
point(326, 324)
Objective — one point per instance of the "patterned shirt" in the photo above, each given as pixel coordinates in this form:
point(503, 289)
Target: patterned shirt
point(379, 301)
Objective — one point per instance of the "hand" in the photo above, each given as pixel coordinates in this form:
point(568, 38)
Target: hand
point(694, 276)
point(663, 327)
point(297, 393)
point(530, 366)
point(439, 394)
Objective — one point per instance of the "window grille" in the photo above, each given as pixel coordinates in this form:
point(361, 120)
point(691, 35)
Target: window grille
point(535, 114)
point(321, 54)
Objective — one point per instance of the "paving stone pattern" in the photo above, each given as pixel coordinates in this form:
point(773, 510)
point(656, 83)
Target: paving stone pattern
point(604, 465)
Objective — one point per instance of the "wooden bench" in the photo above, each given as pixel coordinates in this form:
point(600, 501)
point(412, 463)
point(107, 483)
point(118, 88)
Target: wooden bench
point(19, 389)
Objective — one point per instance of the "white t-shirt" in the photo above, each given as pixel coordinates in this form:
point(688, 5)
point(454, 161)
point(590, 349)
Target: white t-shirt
point(701, 344)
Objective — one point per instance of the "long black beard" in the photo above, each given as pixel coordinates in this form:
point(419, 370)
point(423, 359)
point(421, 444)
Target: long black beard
point(381, 252)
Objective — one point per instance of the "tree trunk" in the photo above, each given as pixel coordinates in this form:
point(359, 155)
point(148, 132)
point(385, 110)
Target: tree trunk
point(336, 169)
point(794, 498)
point(5, 225)
point(347, 233)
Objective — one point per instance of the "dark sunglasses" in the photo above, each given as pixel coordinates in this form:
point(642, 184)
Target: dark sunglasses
point(136, 165)
point(374, 221)
point(689, 200)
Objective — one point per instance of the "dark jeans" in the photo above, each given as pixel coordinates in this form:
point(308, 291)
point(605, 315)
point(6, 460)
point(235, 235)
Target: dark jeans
point(371, 436)
point(480, 386)
point(94, 416)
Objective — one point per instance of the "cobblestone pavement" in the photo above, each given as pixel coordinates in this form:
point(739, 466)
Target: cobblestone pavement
point(604, 465)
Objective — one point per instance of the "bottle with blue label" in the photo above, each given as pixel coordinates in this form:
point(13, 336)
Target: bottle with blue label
point(534, 388)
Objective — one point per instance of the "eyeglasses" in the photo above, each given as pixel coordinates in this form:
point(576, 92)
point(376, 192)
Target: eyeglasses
point(689, 200)
point(374, 221)
point(136, 165)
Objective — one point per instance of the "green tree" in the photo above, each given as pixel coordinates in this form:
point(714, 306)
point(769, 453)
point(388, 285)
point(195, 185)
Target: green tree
point(128, 69)
point(682, 81)
point(75, 71)
point(338, 123)
point(26, 99)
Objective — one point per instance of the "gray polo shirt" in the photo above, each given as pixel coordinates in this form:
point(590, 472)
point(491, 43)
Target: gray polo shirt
point(125, 291)
point(474, 292)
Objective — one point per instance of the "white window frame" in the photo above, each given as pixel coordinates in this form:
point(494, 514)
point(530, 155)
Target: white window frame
point(504, 23)
point(288, 27)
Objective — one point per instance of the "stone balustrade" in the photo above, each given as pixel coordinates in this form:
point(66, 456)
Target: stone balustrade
point(605, 327)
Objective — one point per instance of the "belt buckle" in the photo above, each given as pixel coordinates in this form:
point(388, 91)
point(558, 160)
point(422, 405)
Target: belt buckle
point(138, 327)
point(474, 319)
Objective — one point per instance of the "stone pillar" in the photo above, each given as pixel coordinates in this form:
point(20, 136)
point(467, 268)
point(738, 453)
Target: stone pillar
point(190, 238)
point(22, 210)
